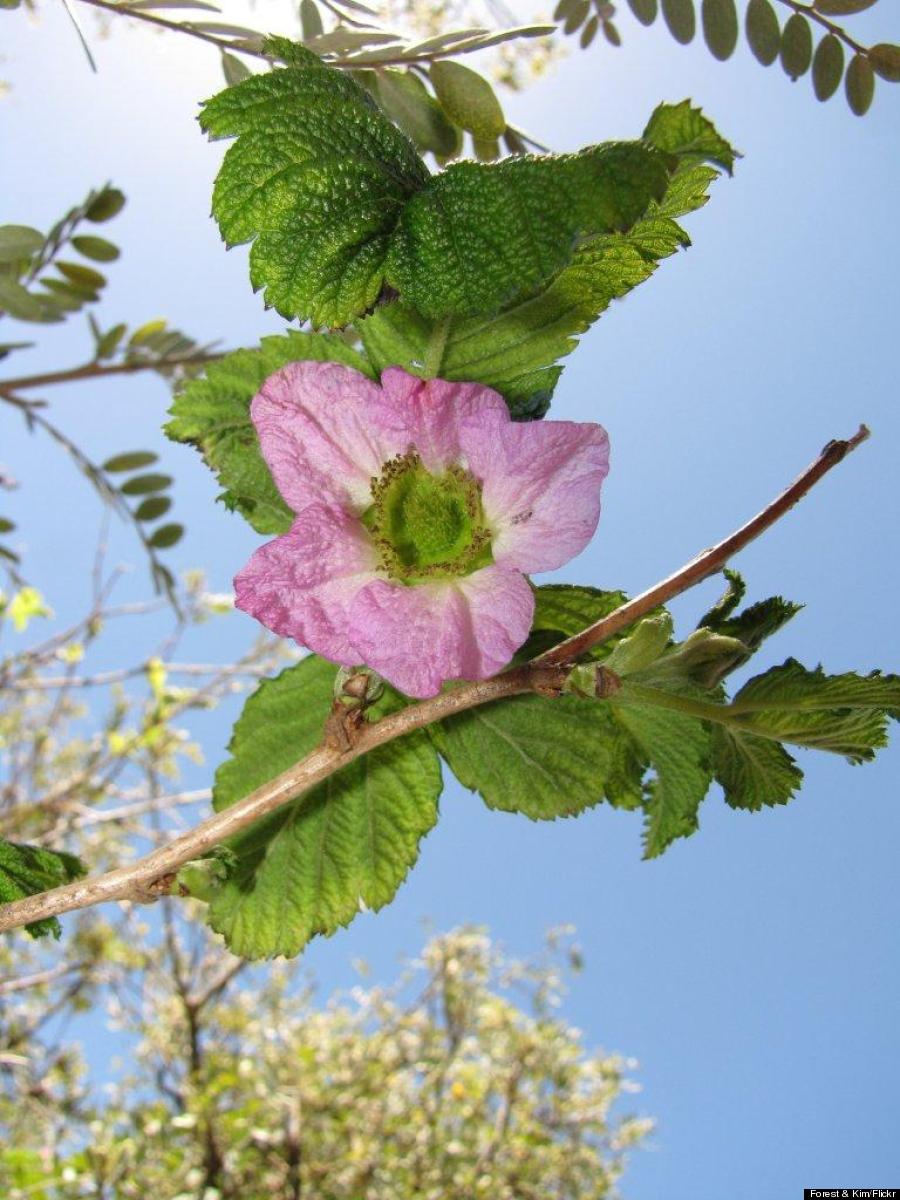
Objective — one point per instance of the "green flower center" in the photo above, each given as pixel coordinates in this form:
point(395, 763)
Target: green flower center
point(427, 526)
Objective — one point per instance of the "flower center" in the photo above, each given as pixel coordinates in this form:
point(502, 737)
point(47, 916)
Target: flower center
point(427, 526)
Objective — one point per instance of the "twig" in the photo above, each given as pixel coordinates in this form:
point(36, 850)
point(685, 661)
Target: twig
point(154, 875)
point(807, 10)
point(95, 370)
point(709, 562)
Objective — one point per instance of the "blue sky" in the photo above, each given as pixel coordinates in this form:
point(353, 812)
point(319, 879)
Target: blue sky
point(753, 969)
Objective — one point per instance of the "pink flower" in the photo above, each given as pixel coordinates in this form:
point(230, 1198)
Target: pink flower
point(420, 509)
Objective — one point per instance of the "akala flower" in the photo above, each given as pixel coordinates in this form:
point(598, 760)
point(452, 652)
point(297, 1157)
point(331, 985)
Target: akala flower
point(421, 507)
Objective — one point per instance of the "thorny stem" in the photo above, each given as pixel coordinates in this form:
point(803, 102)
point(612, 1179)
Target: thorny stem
point(154, 875)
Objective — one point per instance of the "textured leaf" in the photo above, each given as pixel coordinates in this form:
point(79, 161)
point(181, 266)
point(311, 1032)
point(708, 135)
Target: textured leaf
point(318, 177)
point(347, 843)
point(846, 714)
point(515, 350)
point(467, 98)
point(683, 130)
point(213, 414)
point(720, 27)
point(754, 772)
point(763, 31)
point(482, 235)
point(543, 758)
point(859, 84)
point(28, 870)
point(827, 67)
point(678, 747)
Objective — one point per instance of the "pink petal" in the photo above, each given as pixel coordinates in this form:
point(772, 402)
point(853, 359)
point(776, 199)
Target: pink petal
point(540, 486)
point(419, 637)
point(318, 436)
point(302, 585)
point(428, 413)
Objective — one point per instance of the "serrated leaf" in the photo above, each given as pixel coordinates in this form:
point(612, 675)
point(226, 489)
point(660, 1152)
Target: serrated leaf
point(645, 10)
point(763, 31)
point(349, 842)
point(515, 350)
point(131, 461)
point(317, 179)
point(212, 413)
point(681, 19)
point(845, 714)
point(827, 67)
point(720, 27)
point(754, 772)
point(568, 608)
point(28, 870)
point(796, 46)
point(96, 248)
point(19, 242)
point(467, 98)
point(884, 59)
point(141, 485)
point(682, 129)
point(678, 748)
point(859, 85)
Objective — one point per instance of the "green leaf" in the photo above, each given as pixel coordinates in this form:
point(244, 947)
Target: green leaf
point(796, 46)
point(105, 205)
point(642, 646)
point(345, 844)
point(233, 69)
point(81, 276)
point(644, 10)
point(720, 27)
point(543, 758)
point(749, 628)
point(844, 714)
point(28, 870)
point(318, 177)
point(153, 507)
point(515, 350)
point(18, 242)
point(310, 20)
point(482, 235)
point(681, 19)
point(842, 8)
point(884, 59)
point(407, 101)
point(859, 84)
point(212, 413)
point(19, 302)
point(683, 130)
point(827, 67)
point(678, 748)
point(763, 31)
point(754, 772)
point(166, 536)
point(140, 485)
point(97, 248)
point(130, 461)
point(467, 98)
point(566, 609)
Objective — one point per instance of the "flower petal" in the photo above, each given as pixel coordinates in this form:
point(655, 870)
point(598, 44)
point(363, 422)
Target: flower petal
point(428, 413)
point(301, 585)
point(419, 637)
point(540, 486)
point(318, 433)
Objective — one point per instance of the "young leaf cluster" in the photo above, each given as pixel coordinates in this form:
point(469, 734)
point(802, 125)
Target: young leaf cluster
point(835, 58)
